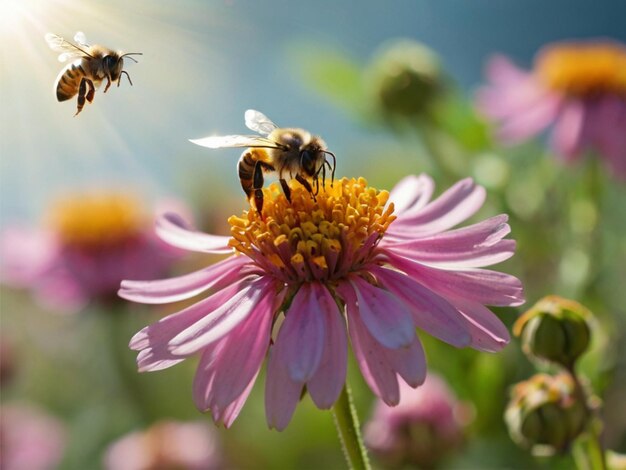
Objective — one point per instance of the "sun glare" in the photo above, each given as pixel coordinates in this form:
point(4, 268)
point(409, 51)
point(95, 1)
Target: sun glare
point(16, 14)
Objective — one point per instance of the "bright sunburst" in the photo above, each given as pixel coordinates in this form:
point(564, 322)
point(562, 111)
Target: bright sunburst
point(44, 148)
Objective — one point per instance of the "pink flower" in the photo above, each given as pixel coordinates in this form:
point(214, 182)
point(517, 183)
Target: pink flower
point(577, 88)
point(342, 266)
point(92, 243)
point(422, 429)
point(29, 439)
point(168, 444)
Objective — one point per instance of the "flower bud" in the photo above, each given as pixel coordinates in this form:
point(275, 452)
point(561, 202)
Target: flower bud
point(555, 329)
point(405, 78)
point(544, 413)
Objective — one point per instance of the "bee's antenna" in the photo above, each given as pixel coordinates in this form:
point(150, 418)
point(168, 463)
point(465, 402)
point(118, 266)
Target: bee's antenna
point(128, 54)
point(128, 76)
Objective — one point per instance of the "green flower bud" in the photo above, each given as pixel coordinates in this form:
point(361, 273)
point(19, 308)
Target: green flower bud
point(544, 414)
point(555, 329)
point(405, 78)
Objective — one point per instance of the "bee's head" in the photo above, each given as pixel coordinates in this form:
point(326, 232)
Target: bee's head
point(113, 65)
point(313, 159)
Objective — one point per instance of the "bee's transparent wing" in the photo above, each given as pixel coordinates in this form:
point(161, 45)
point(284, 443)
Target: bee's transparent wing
point(81, 39)
point(224, 141)
point(66, 48)
point(258, 122)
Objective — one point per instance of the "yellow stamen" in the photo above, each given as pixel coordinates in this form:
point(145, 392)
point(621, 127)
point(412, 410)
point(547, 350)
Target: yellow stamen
point(94, 220)
point(308, 235)
point(583, 69)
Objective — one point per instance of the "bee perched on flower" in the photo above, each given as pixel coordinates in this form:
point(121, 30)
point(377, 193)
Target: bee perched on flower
point(578, 88)
point(355, 263)
point(92, 241)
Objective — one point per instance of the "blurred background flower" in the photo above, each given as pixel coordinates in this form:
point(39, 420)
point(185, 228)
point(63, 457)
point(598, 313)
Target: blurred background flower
point(576, 87)
point(167, 445)
point(91, 243)
point(30, 438)
point(426, 427)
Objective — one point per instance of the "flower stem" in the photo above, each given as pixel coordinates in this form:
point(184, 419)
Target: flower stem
point(347, 423)
point(588, 452)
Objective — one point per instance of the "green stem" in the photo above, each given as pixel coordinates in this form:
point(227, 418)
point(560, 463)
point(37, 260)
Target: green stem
point(347, 424)
point(588, 451)
point(430, 138)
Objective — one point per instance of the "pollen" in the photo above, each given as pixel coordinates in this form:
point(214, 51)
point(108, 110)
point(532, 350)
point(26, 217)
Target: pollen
point(321, 238)
point(583, 69)
point(97, 219)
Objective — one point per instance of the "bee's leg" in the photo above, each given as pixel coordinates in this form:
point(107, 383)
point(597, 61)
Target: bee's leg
point(306, 185)
point(257, 186)
point(82, 89)
point(108, 85)
point(91, 91)
point(286, 188)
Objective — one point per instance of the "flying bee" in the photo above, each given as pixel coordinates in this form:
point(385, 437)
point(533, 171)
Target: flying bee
point(290, 152)
point(92, 64)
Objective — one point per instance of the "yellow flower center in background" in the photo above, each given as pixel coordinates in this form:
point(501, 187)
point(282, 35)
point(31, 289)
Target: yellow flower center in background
point(583, 69)
point(314, 239)
point(93, 220)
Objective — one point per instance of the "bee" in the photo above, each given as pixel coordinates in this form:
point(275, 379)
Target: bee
point(289, 152)
point(92, 64)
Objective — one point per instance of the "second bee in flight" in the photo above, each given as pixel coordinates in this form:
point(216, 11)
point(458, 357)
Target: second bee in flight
point(92, 64)
point(290, 152)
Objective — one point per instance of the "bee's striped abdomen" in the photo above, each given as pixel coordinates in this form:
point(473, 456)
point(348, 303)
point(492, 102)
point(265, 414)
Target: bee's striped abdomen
point(68, 80)
point(245, 168)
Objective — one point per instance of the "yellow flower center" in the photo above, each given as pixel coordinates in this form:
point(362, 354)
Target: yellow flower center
point(310, 239)
point(584, 69)
point(94, 220)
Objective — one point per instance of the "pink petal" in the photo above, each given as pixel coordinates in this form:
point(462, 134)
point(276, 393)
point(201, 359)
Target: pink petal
point(300, 341)
point(223, 319)
point(431, 313)
point(282, 394)
point(487, 232)
point(204, 378)
point(228, 414)
point(172, 229)
point(531, 120)
point(480, 285)
point(370, 354)
point(455, 205)
point(167, 328)
point(61, 292)
point(236, 366)
point(469, 247)
point(187, 286)
point(567, 135)
point(411, 193)
point(409, 362)
point(327, 382)
point(387, 319)
point(488, 332)
point(153, 359)
point(608, 132)
point(26, 255)
point(500, 70)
